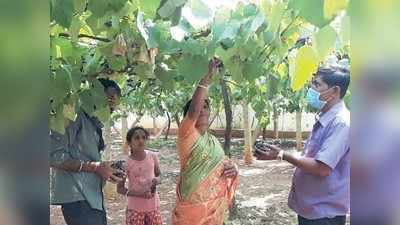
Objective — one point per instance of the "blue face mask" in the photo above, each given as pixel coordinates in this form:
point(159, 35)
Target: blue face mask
point(313, 99)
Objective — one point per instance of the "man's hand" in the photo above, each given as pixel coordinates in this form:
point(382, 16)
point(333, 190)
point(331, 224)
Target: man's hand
point(269, 153)
point(230, 170)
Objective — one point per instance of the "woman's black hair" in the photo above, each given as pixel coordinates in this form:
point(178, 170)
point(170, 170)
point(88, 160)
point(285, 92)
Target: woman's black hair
point(107, 83)
point(335, 76)
point(186, 107)
point(132, 131)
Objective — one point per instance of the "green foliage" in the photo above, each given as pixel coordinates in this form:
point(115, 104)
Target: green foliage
point(157, 54)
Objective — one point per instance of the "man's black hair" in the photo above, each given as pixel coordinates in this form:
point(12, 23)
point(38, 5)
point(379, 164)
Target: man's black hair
point(107, 83)
point(186, 107)
point(335, 76)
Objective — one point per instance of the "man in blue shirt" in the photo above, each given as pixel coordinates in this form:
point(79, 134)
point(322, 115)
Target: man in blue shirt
point(77, 172)
point(320, 192)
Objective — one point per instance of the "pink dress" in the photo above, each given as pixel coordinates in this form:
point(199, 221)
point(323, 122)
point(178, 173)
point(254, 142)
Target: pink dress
point(140, 175)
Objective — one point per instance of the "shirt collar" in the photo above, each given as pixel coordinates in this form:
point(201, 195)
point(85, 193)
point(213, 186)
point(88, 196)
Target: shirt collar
point(325, 118)
point(95, 121)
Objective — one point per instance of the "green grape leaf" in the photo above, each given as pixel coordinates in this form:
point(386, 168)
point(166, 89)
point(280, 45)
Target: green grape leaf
point(268, 37)
point(225, 55)
point(93, 64)
point(75, 77)
point(312, 11)
point(63, 11)
point(149, 31)
point(235, 68)
point(193, 67)
point(103, 114)
point(166, 78)
point(324, 41)
point(170, 7)
point(224, 31)
point(198, 14)
point(144, 70)
point(76, 25)
point(117, 63)
point(332, 7)
point(252, 69)
point(60, 85)
point(194, 47)
point(117, 5)
point(275, 18)
point(250, 10)
point(251, 26)
point(79, 6)
point(98, 7)
point(149, 7)
point(93, 99)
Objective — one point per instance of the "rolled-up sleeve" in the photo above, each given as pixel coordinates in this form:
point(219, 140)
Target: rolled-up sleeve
point(60, 144)
point(335, 145)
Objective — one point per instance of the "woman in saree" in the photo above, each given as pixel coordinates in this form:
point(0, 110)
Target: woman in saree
point(208, 180)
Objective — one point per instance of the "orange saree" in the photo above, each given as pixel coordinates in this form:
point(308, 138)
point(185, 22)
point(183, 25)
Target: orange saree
point(203, 193)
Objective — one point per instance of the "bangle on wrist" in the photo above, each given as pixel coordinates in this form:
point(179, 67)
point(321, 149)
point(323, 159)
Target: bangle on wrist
point(96, 166)
point(80, 166)
point(280, 155)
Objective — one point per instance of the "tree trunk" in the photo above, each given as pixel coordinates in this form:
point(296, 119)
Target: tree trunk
point(248, 156)
point(264, 133)
point(109, 189)
point(137, 120)
point(213, 118)
point(124, 131)
point(177, 120)
point(275, 118)
point(257, 133)
point(107, 140)
point(160, 130)
point(299, 137)
point(228, 115)
point(169, 126)
point(155, 127)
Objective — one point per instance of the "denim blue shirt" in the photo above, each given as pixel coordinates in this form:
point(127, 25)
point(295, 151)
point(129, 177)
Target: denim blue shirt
point(82, 141)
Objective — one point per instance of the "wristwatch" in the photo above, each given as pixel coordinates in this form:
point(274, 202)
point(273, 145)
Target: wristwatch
point(280, 155)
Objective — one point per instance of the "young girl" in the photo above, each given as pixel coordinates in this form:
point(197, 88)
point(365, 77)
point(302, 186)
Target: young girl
point(143, 173)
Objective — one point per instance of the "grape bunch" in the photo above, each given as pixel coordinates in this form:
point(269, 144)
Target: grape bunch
point(153, 188)
point(119, 165)
point(261, 145)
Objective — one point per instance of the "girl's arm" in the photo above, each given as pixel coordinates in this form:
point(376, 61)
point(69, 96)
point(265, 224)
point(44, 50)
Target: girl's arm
point(157, 171)
point(121, 189)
